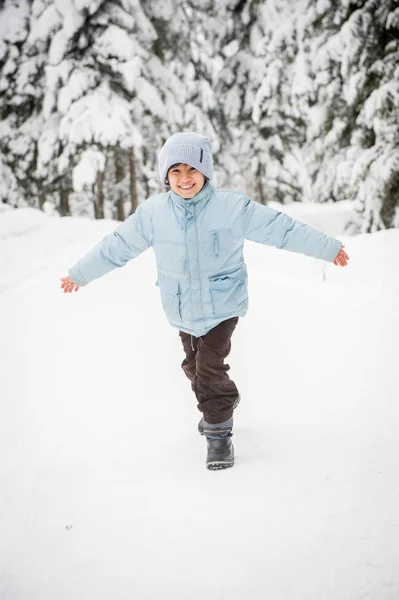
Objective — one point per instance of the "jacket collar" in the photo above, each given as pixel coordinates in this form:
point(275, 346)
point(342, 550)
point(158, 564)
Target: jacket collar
point(203, 195)
point(186, 210)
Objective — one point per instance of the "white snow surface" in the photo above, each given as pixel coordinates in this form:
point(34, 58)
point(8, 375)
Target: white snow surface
point(104, 491)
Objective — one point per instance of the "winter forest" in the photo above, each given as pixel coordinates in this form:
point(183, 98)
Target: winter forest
point(301, 99)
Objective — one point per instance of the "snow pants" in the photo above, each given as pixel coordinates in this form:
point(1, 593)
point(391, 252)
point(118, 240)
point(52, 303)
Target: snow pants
point(204, 365)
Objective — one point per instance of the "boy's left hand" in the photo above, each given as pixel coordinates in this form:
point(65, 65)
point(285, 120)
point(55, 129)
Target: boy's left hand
point(341, 258)
point(68, 285)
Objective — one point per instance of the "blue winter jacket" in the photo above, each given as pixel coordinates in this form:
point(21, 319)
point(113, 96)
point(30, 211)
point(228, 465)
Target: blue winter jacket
point(198, 245)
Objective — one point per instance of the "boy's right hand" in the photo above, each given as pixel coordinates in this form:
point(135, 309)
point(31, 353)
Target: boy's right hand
point(342, 258)
point(68, 285)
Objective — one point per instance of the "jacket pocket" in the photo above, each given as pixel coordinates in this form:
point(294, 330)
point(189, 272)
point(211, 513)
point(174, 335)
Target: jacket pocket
point(170, 296)
point(221, 242)
point(228, 291)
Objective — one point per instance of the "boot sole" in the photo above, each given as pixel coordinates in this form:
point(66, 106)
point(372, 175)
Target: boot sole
point(216, 466)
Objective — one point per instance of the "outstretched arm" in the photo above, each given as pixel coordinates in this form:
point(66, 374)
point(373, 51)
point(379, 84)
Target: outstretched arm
point(268, 226)
point(127, 241)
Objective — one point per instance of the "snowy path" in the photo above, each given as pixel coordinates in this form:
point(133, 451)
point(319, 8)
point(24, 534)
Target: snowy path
point(103, 489)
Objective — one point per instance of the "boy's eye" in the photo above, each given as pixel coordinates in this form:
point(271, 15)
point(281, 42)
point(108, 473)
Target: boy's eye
point(176, 170)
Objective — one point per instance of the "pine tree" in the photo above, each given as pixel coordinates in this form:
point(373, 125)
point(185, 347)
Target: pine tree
point(20, 115)
point(230, 38)
point(301, 99)
point(353, 132)
point(281, 102)
point(376, 172)
point(263, 101)
point(97, 92)
point(100, 90)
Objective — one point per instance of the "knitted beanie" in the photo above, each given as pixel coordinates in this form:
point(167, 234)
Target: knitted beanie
point(190, 148)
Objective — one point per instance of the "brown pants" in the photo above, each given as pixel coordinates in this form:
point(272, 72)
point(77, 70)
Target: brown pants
point(204, 365)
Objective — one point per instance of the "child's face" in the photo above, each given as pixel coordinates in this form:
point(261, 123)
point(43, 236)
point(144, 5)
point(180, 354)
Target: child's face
point(185, 180)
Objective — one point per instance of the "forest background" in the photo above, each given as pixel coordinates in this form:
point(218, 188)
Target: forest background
point(301, 99)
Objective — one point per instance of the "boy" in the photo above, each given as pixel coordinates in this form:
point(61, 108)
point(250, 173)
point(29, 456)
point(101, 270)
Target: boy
point(198, 234)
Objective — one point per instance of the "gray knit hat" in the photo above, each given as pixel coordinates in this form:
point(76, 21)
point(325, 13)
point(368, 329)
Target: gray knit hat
point(190, 148)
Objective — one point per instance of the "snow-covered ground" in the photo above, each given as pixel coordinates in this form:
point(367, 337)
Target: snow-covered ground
point(104, 491)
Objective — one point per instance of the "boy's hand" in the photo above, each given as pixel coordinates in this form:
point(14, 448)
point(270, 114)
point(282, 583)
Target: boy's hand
point(68, 285)
point(341, 258)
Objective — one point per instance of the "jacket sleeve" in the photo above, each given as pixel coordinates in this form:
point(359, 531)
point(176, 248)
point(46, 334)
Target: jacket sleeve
point(127, 241)
point(268, 226)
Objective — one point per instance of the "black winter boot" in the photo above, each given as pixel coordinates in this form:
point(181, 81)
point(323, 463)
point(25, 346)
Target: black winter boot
point(201, 426)
point(220, 453)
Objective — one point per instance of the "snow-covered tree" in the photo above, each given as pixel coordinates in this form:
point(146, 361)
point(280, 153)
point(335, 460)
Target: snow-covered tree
point(20, 115)
point(221, 55)
point(99, 87)
point(260, 90)
point(280, 108)
point(102, 89)
point(375, 173)
point(353, 133)
point(187, 47)
point(300, 97)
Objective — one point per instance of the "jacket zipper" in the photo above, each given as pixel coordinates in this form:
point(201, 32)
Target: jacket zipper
point(198, 262)
point(188, 270)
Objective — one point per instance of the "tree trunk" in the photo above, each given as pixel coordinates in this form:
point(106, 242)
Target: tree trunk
point(391, 201)
point(146, 180)
point(99, 196)
point(64, 203)
point(119, 176)
point(147, 188)
point(133, 182)
point(259, 186)
point(41, 195)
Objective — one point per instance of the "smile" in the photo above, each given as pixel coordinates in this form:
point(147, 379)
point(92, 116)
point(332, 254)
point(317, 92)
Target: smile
point(187, 187)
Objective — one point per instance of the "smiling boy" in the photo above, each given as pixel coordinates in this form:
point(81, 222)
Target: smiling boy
point(185, 180)
point(198, 234)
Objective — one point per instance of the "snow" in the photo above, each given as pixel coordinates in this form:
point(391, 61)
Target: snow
point(131, 71)
point(13, 23)
point(231, 48)
point(47, 144)
point(8, 185)
point(85, 173)
point(100, 116)
point(353, 85)
point(393, 19)
point(104, 490)
point(149, 96)
point(58, 48)
point(116, 42)
point(46, 23)
point(78, 84)
point(90, 5)
point(379, 99)
point(144, 25)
